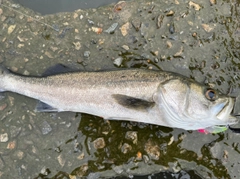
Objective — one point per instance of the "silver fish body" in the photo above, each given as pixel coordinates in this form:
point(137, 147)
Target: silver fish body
point(148, 96)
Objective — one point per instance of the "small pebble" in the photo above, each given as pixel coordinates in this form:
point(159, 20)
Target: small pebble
point(212, 2)
point(98, 30)
point(132, 135)
point(126, 148)
point(119, 6)
point(44, 171)
point(14, 131)
point(75, 15)
point(86, 54)
point(99, 143)
point(4, 137)
point(61, 160)
point(46, 128)
point(172, 37)
point(139, 156)
point(48, 54)
point(225, 155)
point(159, 21)
point(77, 45)
point(176, 168)
point(20, 154)
point(179, 53)
point(170, 13)
point(207, 28)
point(20, 39)
point(81, 171)
point(11, 28)
point(136, 24)
point(176, 2)
point(146, 159)
point(26, 73)
point(3, 106)
point(81, 156)
point(118, 61)
point(20, 45)
point(169, 44)
point(196, 6)
point(194, 34)
point(124, 29)
point(152, 150)
point(11, 145)
point(125, 47)
point(112, 28)
point(90, 22)
point(15, 6)
point(171, 140)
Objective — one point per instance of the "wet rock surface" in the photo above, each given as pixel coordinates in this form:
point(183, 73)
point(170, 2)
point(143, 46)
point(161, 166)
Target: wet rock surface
point(198, 39)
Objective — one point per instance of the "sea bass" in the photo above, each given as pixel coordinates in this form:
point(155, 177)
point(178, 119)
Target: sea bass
point(148, 96)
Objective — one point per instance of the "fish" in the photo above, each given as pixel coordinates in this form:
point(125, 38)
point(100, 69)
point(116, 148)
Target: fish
point(140, 95)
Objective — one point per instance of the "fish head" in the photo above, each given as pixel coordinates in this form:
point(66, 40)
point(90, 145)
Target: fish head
point(192, 106)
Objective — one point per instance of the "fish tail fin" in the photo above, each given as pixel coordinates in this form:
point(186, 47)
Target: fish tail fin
point(3, 72)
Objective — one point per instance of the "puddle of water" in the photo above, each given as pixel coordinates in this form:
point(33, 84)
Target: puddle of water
point(54, 6)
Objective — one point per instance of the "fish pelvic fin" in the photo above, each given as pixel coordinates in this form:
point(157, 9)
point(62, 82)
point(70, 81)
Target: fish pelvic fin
point(132, 102)
point(43, 107)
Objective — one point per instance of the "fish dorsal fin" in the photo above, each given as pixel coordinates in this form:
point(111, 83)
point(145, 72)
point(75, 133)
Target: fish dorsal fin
point(43, 107)
point(132, 102)
point(59, 69)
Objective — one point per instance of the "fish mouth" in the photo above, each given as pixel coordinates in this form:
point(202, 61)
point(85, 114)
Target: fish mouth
point(225, 113)
point(235, 108)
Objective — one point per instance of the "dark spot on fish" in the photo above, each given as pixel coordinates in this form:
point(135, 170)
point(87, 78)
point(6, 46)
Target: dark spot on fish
point(133, 103)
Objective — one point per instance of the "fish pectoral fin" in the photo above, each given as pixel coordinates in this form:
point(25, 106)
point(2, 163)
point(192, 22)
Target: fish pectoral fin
point(43, 107)
point(132, 102)
point(118, 118)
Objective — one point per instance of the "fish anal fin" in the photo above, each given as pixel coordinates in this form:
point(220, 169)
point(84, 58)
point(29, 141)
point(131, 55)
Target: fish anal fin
point(132, 102)
point(43, 107)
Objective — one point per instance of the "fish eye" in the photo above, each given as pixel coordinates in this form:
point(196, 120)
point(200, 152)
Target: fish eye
point(211, 94)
